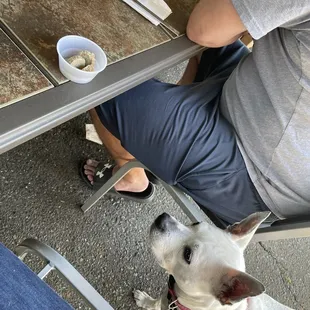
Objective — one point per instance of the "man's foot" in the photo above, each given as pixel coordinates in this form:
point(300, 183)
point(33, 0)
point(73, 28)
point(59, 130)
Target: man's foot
point(134, 181)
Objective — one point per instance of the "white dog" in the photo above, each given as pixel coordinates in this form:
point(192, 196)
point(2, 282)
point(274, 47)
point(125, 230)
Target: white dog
point(207, 267)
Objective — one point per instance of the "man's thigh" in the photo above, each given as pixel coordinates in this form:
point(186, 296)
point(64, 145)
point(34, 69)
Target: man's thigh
point(180, 135)
point(160, 123)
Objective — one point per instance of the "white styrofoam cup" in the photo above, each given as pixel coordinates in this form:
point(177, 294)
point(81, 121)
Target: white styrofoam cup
point(69, 46)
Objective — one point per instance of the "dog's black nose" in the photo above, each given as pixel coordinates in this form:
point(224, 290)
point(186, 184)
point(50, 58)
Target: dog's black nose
point(163, 222)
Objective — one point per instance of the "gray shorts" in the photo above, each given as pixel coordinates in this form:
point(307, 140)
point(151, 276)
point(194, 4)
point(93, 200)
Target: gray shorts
point(179, 133)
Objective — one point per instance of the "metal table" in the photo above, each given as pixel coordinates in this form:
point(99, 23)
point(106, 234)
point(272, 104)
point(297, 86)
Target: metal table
point(33, 116)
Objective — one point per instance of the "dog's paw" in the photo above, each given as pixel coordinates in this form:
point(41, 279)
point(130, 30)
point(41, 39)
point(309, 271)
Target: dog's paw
point(143, 300)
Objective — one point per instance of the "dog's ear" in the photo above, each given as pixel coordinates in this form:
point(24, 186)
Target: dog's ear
point(236, 286)
point(243, 231)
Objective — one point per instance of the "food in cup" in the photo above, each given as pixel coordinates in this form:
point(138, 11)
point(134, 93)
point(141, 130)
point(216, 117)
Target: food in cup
point(84, 61)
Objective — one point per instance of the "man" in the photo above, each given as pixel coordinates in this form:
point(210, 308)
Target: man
point(235, 133)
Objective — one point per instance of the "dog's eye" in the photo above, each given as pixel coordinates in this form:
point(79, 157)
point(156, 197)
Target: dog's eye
point(197, 223)
point(187, 254)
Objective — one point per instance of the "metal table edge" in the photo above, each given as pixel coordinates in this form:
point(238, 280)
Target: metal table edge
point(33, 116)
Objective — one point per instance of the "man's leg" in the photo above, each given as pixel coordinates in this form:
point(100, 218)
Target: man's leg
point(136, 180)
point(179, 133)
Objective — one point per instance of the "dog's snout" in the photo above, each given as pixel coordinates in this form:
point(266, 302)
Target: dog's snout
point(164, 221)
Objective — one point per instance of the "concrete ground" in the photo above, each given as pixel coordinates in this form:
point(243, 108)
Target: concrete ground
point(41, 193)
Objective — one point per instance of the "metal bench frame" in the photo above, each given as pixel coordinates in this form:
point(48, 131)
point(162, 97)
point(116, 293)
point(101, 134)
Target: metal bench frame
point(285, 229)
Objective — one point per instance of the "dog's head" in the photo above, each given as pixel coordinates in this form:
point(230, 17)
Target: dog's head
point(205, 261)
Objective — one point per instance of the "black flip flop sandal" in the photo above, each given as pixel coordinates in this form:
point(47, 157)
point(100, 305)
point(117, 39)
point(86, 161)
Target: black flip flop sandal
point(103, 173)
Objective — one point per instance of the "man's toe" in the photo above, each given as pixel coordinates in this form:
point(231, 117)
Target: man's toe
point(92, 162)
point(90, 168)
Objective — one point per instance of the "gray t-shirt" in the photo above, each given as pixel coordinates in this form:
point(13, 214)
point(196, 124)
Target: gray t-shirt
point(267, 100)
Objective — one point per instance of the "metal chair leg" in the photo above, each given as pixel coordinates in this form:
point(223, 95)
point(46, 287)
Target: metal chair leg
point(188, 206)
point(284, 229)
point(56, 262)
point(90, 202)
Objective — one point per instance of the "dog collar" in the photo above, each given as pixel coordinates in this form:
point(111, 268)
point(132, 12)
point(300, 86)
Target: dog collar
point(172, 297)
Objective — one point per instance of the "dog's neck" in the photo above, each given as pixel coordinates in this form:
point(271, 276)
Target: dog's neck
point(185, 301)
